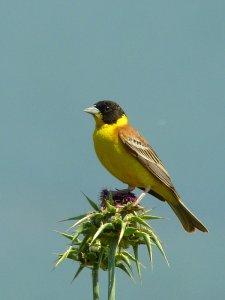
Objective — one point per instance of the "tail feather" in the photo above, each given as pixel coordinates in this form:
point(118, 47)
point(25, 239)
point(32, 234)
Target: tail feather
point(186, 217)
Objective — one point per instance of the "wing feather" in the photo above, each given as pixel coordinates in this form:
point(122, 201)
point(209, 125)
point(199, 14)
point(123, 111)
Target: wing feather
point(140, 148)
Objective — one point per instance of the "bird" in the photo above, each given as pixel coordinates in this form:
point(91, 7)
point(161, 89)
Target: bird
point(127, 155)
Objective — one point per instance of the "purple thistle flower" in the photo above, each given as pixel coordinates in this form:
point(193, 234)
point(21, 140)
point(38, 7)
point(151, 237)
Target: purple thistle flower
point(118, 198)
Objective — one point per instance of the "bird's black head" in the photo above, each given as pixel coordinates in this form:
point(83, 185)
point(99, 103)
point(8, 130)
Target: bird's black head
point(110, 111)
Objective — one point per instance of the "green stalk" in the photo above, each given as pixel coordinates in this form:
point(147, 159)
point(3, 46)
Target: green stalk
point(95, 282)
point(111, 272)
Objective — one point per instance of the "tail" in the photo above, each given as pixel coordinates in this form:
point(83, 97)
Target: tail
point(186, 217)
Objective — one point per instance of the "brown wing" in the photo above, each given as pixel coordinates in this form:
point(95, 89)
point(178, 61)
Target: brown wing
point(140, 148)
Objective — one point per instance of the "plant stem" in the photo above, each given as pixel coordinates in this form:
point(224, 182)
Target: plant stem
point(111, 272)
point(95, 283)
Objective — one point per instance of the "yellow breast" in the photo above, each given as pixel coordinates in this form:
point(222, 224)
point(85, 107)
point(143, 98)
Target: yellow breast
point(115, 157)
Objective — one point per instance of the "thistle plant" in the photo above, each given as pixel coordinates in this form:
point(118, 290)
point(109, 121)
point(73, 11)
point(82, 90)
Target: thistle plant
point(109, 237)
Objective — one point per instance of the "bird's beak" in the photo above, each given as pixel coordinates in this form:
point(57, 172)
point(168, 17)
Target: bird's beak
point(92, 110)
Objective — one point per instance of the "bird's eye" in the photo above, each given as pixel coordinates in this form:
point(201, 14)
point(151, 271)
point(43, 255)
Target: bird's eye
point(107, 108)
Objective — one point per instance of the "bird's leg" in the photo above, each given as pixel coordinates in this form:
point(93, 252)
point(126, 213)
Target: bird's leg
point(147, 189)
point(124, 191)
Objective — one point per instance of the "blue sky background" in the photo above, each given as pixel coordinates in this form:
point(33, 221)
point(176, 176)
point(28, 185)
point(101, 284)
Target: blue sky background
point(164, 62)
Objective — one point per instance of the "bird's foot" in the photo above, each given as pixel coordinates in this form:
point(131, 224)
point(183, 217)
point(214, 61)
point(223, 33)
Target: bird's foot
point(142, 196)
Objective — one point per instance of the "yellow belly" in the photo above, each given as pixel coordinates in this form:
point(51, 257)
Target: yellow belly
point(118, 161)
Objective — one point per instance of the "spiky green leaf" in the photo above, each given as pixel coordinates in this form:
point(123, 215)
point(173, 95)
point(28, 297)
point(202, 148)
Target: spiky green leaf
point(135, 249)
point(74, 218)
point(84, 243)
point(63, 256)
point(139, 220)
point(126, 260)
point(150, 217)
point(159, 246)
point(110, 208)
point(126, 253)
point(124, 268)
point(101, 229)
point(123, 227)
point(81, 221)
point(68, 236)
point(148, 244)
point(92, 203)
point(129, 231)
point(77, 232)
point(77, 273)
